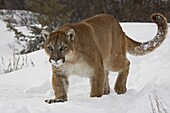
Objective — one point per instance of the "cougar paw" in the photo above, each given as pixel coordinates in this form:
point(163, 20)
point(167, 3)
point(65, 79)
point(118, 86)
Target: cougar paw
point(106, 91)
point(120, 89)
point(50, 101)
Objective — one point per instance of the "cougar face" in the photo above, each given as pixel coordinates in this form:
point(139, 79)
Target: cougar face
point(60, 46)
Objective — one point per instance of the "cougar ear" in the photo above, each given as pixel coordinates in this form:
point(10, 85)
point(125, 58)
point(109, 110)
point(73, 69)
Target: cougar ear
point(70, 33)
point(45, 34)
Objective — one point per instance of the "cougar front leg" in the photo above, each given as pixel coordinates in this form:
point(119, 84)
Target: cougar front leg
point(97, 83)
point(106, 84)
point(60, 87)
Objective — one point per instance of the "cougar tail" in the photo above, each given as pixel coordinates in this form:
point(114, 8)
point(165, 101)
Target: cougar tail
point(139, 48)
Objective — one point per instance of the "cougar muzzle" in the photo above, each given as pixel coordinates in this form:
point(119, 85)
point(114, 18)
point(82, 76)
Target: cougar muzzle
point(57, 62)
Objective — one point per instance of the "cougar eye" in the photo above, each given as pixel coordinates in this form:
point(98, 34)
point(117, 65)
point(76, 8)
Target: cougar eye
point(50, 48)
point(63, 48)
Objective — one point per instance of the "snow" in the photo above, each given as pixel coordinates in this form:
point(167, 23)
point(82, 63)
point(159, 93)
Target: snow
point(25, 90)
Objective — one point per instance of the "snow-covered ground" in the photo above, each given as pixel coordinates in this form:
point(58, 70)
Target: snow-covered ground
point(24, 91)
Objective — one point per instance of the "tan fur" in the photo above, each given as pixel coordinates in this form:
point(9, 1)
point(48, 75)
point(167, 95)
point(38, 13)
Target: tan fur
point(93, 47)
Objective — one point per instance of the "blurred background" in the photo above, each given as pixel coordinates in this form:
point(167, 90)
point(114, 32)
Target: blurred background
point(76, 10)
point(51, 14)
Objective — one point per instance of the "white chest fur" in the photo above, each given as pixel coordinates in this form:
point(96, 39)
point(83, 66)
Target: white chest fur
point(80, 68)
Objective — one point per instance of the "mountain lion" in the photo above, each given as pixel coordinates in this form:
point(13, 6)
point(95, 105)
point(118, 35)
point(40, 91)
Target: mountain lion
point(93, 47)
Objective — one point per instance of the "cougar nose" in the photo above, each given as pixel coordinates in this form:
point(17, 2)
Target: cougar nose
point(54, 60)
point(57, 62)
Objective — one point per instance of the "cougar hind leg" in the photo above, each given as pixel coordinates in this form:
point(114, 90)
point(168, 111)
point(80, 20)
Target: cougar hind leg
point(120, 85)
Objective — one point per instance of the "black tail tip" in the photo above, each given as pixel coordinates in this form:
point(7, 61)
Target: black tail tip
point(157, 18)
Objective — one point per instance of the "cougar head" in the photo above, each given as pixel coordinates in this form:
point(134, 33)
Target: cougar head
point(59, 46)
